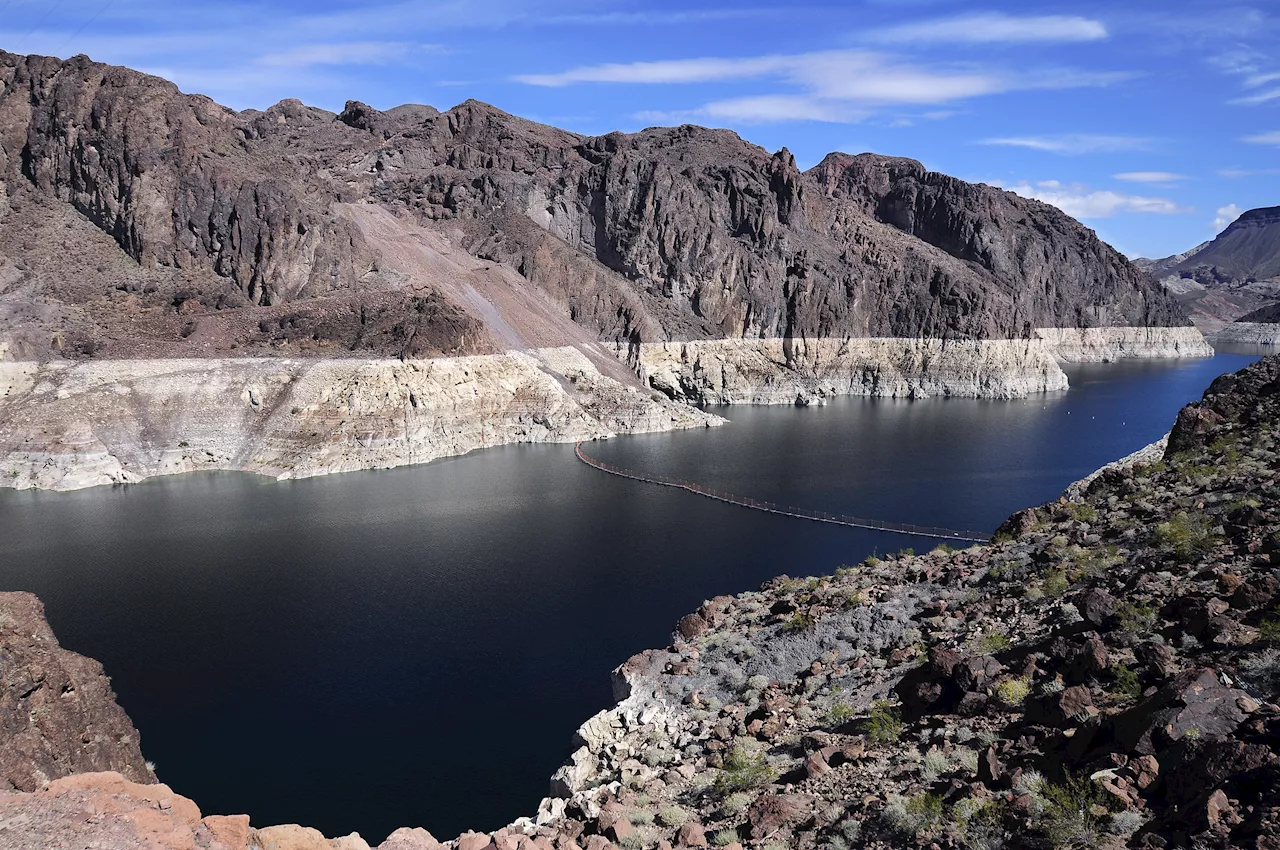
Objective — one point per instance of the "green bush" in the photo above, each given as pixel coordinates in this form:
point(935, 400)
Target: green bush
point(1187, 537)
point(1013, 692)
point(1070, 813)
point(1054, 582)
point(993, 642)
point(673, 816)
point(798, 622)
point(745, 767)
point(724, 837)
point(884, 723)
point(1136, 620)
point(1127, 684)
point(839, 714)
point(919, 813)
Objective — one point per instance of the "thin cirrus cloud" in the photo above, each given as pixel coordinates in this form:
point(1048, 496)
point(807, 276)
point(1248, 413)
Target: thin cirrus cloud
point(349, 53)
point(1072, 144)
point(835, 85)
point(1149, 177)
point(1080, 201)
point(1272, 138)
point(993, 28)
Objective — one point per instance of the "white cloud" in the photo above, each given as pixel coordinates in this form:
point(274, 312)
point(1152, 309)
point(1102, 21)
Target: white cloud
point(1150, 177)
point(1226, 215)
point(1255, 99)
point(1072, 143)
point(993, 28)
point(833, 85)
point(671, 71)
point(766, 109)
point(1237, 173)
point(1272, 138)
point(350, 53)
point(1261, 80)
point(1080, 201)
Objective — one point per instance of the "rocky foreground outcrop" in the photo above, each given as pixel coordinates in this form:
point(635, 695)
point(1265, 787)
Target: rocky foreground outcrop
point(297, 230)
point(58, 715)
point(1104, 673)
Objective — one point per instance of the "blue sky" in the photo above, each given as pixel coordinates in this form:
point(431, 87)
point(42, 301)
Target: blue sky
point(1153, 122)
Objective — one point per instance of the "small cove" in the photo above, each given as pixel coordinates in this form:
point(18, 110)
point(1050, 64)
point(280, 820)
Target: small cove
point(416, 646)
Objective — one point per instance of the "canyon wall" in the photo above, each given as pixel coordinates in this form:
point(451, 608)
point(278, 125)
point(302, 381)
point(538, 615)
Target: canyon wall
point(65, 426)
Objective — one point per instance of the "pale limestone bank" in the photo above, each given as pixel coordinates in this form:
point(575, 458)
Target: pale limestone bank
point(65, 426)
point(1248, 333)
point(787, 371)
point(1105, 345)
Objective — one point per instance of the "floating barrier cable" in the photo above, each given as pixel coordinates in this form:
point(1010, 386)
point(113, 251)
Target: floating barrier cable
point(772, 508)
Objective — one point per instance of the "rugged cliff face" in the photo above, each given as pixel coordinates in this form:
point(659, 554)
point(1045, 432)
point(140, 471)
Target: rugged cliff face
point(58, 715)
point(242, 229)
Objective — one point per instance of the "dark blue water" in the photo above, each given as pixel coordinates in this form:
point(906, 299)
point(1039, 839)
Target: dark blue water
point(416, 646)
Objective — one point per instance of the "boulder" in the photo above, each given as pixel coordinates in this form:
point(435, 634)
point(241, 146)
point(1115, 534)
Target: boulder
point(691, 834)
point(1194, 701)
point(410, 838)
point(1062, 709)
point(774, 814)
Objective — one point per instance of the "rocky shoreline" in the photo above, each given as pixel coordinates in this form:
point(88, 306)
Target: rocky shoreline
point(67, 425)
point(1248, 333)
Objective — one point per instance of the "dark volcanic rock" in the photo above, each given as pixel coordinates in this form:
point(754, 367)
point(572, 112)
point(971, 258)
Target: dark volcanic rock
point(670, 233)
point(58, 715)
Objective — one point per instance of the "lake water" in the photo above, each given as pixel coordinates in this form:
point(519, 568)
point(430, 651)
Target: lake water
point(416, 646)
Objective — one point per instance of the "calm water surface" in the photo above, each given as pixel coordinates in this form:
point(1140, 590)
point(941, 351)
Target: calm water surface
point(416, 646)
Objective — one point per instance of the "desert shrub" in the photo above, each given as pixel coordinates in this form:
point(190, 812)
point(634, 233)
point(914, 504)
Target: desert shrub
point(1187, 537)
point(736, 803)
point(1269, 628)
point(1127, 684)
point(1125, 823)
point(919, 813)
point(936, 764)
point(1136, 620)
point(884, 723)
point(634, 841)
point(1069, 813)
point(992, 642)
point(757, 683)
point(745, 766)
point(800, 621)
point(673, 816)
point(1013, 692)
point(1054, 582)
point(967, 758)
point(979, 824)
point(1081, 511)
point(1260, 674)
point(839, 714)
point(724, 837)
point(641, 817)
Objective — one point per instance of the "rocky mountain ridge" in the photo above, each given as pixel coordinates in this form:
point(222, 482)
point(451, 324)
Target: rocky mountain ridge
point(1229, 276)
point(1104, 673)
point(248, 231)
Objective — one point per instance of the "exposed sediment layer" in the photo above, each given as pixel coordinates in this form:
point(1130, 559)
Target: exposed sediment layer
point(65, 426)
point(1248, 333)
point(1104, 345)
point(786, 371)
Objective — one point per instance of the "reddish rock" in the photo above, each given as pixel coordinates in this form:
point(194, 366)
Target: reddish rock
point(58, 715)
point(1061, 709)
point(613, 822)
point(815, 765)
point(474, 841)
point(772, 814)
point(691, 835)
point(691, 626)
